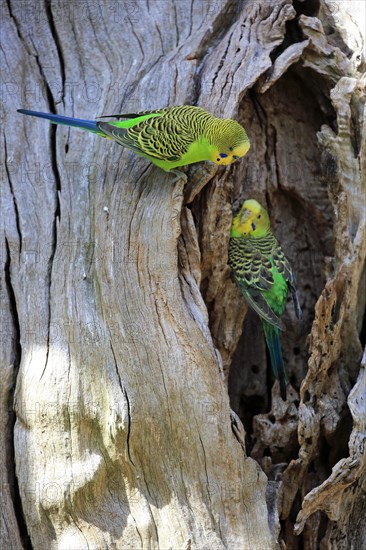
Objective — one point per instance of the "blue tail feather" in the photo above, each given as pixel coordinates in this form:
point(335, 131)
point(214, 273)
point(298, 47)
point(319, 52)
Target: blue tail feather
point(89, 125)
point(273, 340)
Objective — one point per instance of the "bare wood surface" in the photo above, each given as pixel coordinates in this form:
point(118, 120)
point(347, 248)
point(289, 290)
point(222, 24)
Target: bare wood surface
point(122, 322)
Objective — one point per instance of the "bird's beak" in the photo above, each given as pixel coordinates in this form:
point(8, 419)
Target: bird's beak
point(245, 215)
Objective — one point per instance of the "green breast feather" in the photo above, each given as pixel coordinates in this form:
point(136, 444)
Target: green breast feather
point(276, 296)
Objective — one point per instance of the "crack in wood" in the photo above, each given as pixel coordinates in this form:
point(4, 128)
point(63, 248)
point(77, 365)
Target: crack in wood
point(7, 404)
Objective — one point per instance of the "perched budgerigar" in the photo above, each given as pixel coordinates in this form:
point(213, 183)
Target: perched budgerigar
point(264, 276)
point(170, 137)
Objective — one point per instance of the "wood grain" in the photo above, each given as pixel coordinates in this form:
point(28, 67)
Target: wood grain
point(122, 329)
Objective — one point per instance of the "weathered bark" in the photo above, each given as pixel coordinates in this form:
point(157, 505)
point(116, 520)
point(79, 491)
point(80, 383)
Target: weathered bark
point(120, 320)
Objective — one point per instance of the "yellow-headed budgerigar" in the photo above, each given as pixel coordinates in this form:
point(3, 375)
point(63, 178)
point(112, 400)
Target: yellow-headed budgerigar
point(169, 137)
point(264, 277)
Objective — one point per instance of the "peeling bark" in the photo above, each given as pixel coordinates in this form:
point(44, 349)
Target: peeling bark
point(123, 334)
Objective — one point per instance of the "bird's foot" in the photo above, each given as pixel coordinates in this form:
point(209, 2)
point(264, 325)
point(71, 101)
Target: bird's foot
point(179, 175)
point(198, 178)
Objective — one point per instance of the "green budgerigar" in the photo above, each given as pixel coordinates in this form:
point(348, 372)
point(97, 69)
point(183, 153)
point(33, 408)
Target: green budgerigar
point(264, 277)
point(170, 137)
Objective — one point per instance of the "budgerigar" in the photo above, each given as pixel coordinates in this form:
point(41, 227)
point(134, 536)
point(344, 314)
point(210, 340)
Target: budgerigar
point(264, 276)
point(170, 137)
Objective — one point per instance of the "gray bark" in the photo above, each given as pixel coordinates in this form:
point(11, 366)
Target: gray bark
point(123, 335)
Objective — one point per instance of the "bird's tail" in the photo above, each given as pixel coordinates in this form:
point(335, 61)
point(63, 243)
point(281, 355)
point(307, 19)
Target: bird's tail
point(273, 340)
point(89, 125)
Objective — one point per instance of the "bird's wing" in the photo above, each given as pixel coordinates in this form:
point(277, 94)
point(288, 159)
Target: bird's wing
point(257, 302)
point(252, 271)
point(253, 267)
point(284, 268)
point(156, 135)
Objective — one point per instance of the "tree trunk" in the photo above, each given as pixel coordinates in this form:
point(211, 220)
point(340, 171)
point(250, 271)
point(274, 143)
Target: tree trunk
point(124, 348)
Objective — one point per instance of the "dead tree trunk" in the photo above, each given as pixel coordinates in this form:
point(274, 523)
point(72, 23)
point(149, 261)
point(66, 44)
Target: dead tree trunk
point(121, 328)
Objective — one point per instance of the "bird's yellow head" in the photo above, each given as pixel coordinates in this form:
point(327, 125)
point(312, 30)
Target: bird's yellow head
point(252, 220)
point(230, 142)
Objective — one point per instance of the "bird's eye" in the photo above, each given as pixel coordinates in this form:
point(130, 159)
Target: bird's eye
point(235, 157)
point(230, 148)
point(258, 216)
